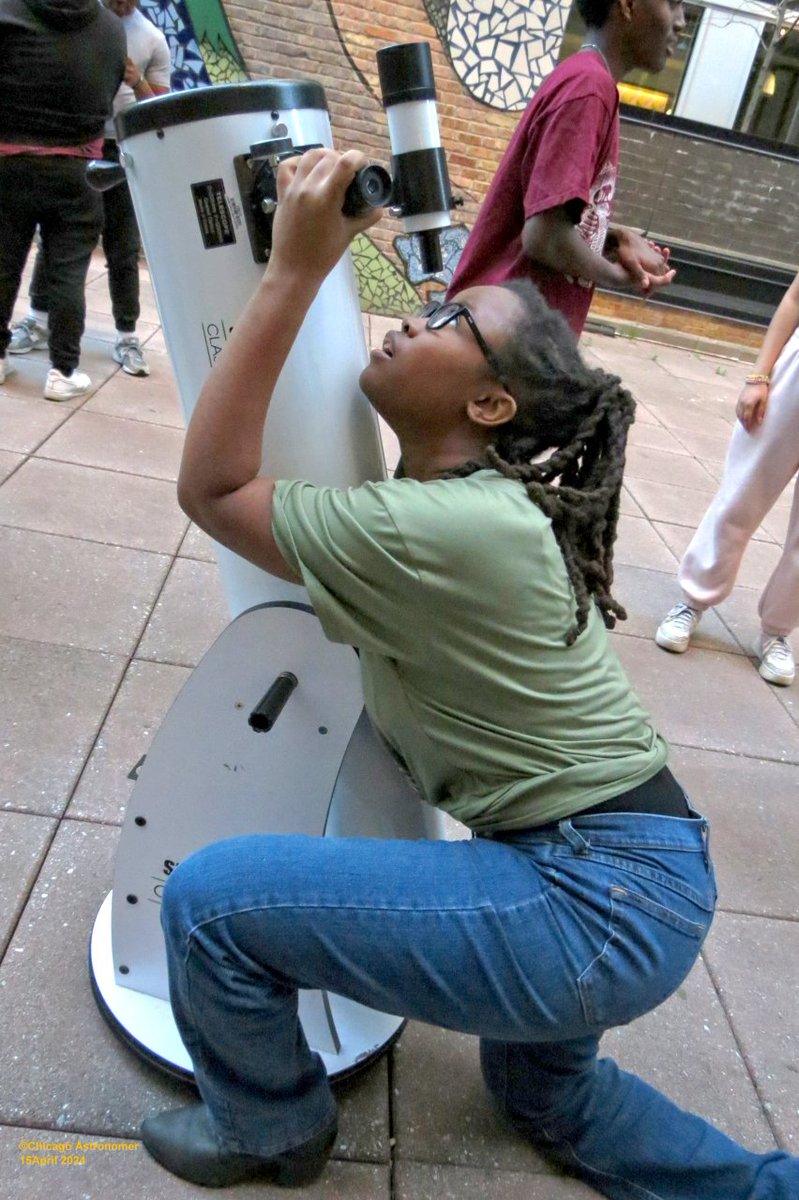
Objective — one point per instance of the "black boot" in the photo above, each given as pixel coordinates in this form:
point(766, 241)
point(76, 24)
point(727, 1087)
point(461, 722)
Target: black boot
point(184, 1142)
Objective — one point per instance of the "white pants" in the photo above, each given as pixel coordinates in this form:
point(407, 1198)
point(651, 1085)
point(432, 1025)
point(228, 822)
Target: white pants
point(759, 467)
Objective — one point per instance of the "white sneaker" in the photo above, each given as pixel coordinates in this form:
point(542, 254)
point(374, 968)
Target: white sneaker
point(28, 335)
point(66, 387)
point(776, 660)
point(128, 353)
point(6, 369)
point(675, 630)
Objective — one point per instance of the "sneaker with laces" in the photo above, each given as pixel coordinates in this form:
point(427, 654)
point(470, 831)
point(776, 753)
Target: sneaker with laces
point(128, 353)
point(5, 369)
point(66, 387)
point(776, 660)
point(28, 335)
point(675, 630)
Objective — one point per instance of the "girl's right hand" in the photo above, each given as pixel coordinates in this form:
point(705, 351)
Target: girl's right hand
point(310, 232)
point(752, 405)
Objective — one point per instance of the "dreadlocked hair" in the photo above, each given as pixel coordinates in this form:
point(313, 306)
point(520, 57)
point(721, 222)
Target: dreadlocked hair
point(566, 444)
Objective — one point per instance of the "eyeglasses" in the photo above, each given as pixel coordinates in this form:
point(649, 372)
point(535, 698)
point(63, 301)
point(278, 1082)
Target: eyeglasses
point(438, 315)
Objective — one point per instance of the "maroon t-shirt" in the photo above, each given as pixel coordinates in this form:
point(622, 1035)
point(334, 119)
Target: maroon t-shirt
point(565, 151)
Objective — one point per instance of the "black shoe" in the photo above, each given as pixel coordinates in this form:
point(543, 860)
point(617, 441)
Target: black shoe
point(184, 1142)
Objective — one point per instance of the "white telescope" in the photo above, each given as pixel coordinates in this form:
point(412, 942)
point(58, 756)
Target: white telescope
point(268, 734)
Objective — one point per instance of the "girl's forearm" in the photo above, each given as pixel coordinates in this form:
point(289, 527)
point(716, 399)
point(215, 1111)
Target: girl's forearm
point(223, 447)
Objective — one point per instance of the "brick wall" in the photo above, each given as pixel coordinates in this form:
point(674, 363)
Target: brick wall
point(724, 197)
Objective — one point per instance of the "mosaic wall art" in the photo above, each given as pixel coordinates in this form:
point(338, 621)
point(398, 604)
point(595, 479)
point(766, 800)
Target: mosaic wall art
point(200, 41)
point(452, 241)
point(500, 50)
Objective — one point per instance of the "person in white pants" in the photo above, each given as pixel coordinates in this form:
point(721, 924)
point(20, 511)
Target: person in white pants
point(762, 459)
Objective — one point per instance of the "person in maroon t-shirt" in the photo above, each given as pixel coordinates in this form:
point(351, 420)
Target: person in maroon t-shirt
point(547, 212)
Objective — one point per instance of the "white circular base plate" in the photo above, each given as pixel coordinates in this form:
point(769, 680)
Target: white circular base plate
point(145, 1023)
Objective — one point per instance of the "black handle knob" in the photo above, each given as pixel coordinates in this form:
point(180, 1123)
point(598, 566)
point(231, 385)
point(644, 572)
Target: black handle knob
point(102, 175)
point(270, 706)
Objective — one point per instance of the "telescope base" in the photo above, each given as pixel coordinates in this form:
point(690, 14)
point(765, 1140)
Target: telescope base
point(146, 1026)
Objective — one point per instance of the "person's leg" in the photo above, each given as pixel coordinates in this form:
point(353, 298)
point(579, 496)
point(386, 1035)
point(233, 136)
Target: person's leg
point(779, 603)
point(552, 940)
point(70, 225)
point(39, 300)
point(17, 226)
point(759, 466)
point(406, 927)
point(31, 333)
point(121, 246)
point(620, 1135)
point(778, 608)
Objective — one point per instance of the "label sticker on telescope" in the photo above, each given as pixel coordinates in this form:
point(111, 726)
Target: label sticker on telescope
point(213, 214)
point(215, 334)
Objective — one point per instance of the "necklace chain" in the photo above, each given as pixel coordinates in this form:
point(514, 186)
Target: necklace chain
point(593, 46)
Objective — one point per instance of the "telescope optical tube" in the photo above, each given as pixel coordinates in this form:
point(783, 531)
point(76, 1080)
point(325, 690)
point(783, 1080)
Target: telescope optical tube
point(421, 191)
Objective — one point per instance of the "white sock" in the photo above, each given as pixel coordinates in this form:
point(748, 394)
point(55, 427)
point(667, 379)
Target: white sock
point(41, 318)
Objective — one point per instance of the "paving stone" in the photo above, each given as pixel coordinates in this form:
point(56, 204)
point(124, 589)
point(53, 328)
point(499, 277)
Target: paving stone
point(706, 371)
point(142, 702)
point(627, 506)
point(789, 699)
point(668, 503)
point(190, 614)
point(52, 702)
point(364, 1131)
point(421, 1181)
point(739, 614)
point(9, 463)
point(664, 466)
point(679, 415)
point(61, 1067)
point(197, 544)
point(648, 595)
point(696, 699)
point(639, 371)
point(25, 422)
point(442, 1112)
point(96, 505)
point(704, 446)
point(752, 807)
point(24, 839)
point(76, 593)
point(95, 439)
point(777, 523)
point(654, 437)
point(124, 1168)
point(154, 399)
point(755, 965)
point(639, 545)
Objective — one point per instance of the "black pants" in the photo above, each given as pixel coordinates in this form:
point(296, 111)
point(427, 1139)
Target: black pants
point(49, 191)
point(121, 246)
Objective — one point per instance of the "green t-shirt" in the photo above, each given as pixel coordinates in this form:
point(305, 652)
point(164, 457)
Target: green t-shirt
point(457, 597)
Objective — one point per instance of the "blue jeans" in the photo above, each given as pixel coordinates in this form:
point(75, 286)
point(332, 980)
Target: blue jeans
point(537, 943)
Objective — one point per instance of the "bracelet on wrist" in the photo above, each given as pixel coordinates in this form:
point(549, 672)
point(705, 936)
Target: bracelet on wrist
point(758, 378)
